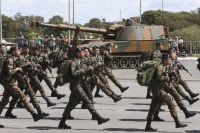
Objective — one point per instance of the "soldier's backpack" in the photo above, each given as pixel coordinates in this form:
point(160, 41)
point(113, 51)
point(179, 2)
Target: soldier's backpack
point(64, 73)
point(2, 63)
point(146, 71)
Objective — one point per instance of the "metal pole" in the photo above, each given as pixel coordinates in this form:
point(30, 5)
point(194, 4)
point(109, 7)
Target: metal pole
point(69, 35)
point(140, 11)
point(1, 36)
point(73, 14)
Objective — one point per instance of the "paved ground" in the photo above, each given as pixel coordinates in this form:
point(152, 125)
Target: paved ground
point(128, 115)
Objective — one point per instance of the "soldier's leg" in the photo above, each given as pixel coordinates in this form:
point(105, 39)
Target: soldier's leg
point(90, 106)
point(97, 92)
point(148, 92)
point(74, 100)
point(182, 93)
point(172, 91)
point(152, 110)
point(5, 99)
point(107, 91)
point(34, 101)
point(114, 80)
point(35, 83)
point(51, 86)
point(186, 87)
point(14, 89)
point(12, 104)
point(172, 108)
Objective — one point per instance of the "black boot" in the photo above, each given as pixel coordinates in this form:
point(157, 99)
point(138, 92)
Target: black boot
point(115, 97)
point(149, 128)
point(193, 95)
point(1, 126)
point(83, 106)
point(10, 115)
point(178, 123)
point(62, 125)
point(35, 116)
point(188, 114)
point(43, 114)
point(101, 120)
point(123, 89)
point(56, 94)
point(69, 117)
point(157, 118)
point(98, 95)
point(191, 101)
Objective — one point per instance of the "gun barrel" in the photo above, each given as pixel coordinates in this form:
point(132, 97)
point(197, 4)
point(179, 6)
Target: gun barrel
point(68, 27)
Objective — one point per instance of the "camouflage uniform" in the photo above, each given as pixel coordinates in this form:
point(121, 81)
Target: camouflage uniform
point(23, 84)
point(159, 96)
point(78, 94)
point(11, 88)
point(177, 80)
point(156, 55)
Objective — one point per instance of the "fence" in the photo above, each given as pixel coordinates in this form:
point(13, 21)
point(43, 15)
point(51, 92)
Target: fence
point(192, 47)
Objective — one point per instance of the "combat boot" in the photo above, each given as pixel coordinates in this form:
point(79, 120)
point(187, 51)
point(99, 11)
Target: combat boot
point(123, 89)
point(10, 115)
point(49, 103)
point(178, 123)
point(115, 97)
point(20, 105)
point(43, 114)
point(191, 101)
point(62, 125)
point(1, 126)
point(56, 94)
point(35, 116)
point(193, 95)
point(98, 95)
point(188, 114)
point(157, 118)
point(69, 117)
point(101, 120)
point(149, 128)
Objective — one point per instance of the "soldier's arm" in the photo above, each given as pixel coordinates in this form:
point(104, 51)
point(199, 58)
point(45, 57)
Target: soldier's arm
point(75, 72)
point(160, 74)
point(108, 56)
point(10, 67)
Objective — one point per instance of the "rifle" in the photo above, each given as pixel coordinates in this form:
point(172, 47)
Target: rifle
point(185, 69)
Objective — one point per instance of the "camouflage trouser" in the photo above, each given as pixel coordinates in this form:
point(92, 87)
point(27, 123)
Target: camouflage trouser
point(44, 76)
point(173, 92)
point(113, 78)
point(14, 90)
point(179, 89)
point(35, 84)
point(24, 85)
point(103, 79)
point(100, 85)
point(185, 86)
point(156, 104)
point(77, 95)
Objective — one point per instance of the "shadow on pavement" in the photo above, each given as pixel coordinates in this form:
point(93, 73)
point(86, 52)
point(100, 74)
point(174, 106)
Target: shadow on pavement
point(138, 120)
point(42, 127)
point(134, 97)
point(124, 129)
point(192, 131)
point(141, 104)
point(141, 110)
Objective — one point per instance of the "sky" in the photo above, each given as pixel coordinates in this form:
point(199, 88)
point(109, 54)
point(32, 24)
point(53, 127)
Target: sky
point(87, 9)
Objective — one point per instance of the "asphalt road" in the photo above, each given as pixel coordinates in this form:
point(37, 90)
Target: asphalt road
point(127, 115)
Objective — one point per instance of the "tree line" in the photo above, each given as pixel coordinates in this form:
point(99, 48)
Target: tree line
point(186, 24)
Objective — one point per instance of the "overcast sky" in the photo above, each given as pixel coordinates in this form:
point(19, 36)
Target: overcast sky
point(87, 9)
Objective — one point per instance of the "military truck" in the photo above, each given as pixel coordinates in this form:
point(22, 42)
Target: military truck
point(129, 41)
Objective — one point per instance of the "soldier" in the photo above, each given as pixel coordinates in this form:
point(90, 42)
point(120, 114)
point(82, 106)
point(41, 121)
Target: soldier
point(177, 80)
point(156, 55)
point(24, 85)
point(159, 95)
point(77, 92)
point(107, 59)
point(10, 86)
